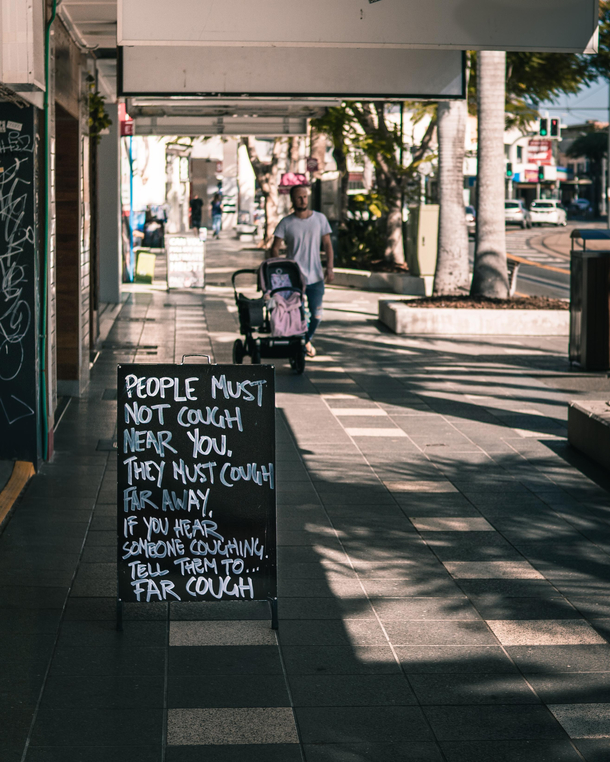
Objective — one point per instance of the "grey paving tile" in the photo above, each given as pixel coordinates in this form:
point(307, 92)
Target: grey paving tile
point(93, 753)
point(97, 727)
point(543, 632)
point(451, 524)
point(439, 633)
point(223, 660)
point(509, 588)
point(593, 749)
point(572, 688)
point(14, 727)
point(236, 753)
point(446, 660)
point(350, 690)
point(421, 751)
point(224, 726)
point(119, 660)
point(472, 546)
point(524, 750)
point(424, 586)
point(583, 720)
point(423, 608)
point(486, 723)
point(553, 659)
point(214, 633)
point(602, 627)
point(370, 724)
point(495, 606)
point(492, 570)
point(220, 610)
point(11, 753)
point(103, 634)
point(340, 660)
point(106, 691)
point(477, 688)
point(192, 691)
point(327, 608)
point(331, 633)
point(319, 588)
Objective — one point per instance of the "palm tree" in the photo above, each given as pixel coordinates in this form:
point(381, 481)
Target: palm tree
point(452, 276)
point(490, 277)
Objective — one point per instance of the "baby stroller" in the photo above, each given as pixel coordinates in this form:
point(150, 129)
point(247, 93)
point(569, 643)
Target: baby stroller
point(273, 325)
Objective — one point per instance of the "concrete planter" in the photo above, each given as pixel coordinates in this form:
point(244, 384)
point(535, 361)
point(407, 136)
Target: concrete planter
point(589, 430)
point(471, 322)
point(397, 283)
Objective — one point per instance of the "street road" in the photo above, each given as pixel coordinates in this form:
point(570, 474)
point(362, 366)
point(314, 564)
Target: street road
point(544, 255)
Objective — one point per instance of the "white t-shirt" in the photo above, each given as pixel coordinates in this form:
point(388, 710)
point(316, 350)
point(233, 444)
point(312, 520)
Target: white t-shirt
point(303, 239)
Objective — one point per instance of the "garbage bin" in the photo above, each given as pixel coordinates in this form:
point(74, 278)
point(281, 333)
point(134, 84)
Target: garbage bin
point(590, 301)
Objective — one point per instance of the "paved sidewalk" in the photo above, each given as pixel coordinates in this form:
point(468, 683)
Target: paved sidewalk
point(443, 569)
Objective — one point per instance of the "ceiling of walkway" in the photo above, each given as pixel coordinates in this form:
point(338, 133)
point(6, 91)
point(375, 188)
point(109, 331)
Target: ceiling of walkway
point(342, 51)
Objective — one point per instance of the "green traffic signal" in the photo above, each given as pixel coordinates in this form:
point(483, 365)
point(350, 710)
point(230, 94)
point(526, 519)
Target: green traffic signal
point(544, 127)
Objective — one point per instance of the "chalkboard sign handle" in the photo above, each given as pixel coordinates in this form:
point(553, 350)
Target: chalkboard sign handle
point(119, 615)
point(208, 356)
point(274, 619)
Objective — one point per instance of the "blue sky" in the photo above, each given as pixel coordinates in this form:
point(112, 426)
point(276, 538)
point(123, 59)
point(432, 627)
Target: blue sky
point(590, 103)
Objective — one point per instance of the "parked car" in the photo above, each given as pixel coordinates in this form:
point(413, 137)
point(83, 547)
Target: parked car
point(548, 212)
point(580, 207)
point(471, 220)
point(515, 213)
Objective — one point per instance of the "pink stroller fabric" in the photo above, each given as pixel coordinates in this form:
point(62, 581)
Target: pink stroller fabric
point(286, 317)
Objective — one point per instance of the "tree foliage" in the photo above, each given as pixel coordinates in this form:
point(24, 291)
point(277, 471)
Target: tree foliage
point(532, 78)
point(592, 145)
point(364, 127)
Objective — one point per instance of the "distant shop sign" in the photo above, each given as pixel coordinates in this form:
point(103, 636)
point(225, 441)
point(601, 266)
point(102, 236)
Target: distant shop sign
point(540, 151)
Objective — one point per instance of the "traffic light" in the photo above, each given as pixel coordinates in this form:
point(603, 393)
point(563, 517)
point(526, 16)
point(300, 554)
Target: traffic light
point(555, 128)
point(540, 173)
point(543, 130)
point(509, 170)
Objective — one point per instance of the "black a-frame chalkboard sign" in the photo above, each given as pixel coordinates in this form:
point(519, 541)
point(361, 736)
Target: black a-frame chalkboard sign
point(196, 483)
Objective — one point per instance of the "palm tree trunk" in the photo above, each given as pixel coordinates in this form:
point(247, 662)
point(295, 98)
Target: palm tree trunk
point(490, 278)
point(452, 275)
point(394, 248)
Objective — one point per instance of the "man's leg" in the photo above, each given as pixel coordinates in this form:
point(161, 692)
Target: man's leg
point(315, 296)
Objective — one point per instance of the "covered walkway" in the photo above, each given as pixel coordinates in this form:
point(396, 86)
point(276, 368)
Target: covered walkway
point(443, 568)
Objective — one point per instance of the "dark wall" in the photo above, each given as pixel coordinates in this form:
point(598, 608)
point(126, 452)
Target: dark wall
point(67, 206)
point(19, 284)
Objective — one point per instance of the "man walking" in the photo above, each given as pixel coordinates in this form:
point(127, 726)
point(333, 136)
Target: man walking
point(306, 232)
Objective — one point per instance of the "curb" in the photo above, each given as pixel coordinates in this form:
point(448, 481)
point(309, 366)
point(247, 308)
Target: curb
point(22, 473)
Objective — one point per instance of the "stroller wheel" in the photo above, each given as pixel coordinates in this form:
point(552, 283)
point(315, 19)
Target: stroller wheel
point(298, 361)
point(238, 352)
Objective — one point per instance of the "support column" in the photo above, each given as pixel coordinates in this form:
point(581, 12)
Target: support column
point(109, 211)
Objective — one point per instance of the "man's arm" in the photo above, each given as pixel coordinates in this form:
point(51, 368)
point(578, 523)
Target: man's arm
point(274, 251)
point(330, 257)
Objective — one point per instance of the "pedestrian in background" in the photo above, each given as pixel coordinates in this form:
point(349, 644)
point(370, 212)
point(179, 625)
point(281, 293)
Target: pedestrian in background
point(217, 214)
point(305, 233)
point(196, 208)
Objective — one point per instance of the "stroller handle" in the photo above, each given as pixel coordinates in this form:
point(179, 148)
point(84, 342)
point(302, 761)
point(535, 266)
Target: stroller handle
point(285, 288)
point(241, 272)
